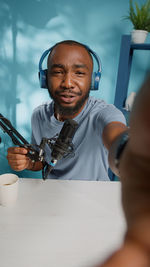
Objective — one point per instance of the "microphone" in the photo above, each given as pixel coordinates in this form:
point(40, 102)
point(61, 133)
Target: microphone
point(63, 145)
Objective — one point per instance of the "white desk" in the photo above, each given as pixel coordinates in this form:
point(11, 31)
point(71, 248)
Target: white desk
point(61, 223)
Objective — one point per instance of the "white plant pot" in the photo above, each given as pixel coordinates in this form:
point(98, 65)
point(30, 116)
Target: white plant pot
point(138, 36)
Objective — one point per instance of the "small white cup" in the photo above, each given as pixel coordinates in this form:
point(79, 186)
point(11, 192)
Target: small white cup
point(8, 189)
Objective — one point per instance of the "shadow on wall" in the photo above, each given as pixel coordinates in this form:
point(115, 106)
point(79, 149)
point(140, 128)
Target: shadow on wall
point(32, 12)
point(13, 11)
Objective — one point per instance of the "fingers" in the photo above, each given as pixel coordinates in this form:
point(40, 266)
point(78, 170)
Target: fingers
point(17, 150)
point(19, 165)
point(17, 158)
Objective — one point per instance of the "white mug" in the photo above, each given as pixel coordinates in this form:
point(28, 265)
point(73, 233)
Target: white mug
point(8, 189)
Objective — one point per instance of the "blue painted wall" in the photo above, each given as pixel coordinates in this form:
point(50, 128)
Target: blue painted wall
point(29, 27)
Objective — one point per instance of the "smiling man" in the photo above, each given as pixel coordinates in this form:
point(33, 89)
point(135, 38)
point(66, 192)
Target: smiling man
point(69, 76)
point(69, 79)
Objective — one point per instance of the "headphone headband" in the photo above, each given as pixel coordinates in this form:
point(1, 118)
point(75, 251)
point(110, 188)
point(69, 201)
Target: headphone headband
point(46, 52)
point(96, 58)
point(95, 76)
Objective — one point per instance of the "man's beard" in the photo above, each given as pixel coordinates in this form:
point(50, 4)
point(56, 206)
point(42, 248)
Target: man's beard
point(68, 111)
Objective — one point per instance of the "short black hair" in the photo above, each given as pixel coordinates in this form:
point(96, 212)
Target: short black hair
point(71, 43)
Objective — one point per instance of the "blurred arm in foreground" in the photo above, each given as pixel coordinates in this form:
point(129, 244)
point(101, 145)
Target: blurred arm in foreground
point(134, 170)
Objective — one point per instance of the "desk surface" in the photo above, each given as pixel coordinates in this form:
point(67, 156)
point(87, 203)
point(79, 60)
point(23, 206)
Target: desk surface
point(61, 223)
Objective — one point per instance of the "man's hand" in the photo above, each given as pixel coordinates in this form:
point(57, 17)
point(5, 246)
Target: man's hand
point(17, 158)
point(19, 161)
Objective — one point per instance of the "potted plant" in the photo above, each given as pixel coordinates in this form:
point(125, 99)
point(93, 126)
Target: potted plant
point(140, 18)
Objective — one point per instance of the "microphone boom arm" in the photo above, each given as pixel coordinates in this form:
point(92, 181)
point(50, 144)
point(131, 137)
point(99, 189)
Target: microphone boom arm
point(17, 138)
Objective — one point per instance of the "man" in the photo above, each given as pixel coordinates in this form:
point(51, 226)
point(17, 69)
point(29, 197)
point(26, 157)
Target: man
point(69, 74)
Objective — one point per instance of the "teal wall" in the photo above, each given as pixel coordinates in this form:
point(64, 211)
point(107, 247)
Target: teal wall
point(29, 27)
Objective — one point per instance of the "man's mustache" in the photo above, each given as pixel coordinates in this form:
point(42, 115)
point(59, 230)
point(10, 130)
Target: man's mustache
point(69, 91)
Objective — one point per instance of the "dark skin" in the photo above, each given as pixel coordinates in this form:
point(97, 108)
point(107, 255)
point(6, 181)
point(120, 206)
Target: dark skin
point(69, 77)
point(135, 178)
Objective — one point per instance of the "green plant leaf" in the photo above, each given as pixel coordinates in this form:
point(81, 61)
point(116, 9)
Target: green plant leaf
point(139, 16)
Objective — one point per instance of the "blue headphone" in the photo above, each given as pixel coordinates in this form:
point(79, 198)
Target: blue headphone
point(95, 76)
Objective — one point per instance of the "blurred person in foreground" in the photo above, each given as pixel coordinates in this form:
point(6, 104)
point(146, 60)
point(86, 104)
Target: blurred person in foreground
point(134, 172)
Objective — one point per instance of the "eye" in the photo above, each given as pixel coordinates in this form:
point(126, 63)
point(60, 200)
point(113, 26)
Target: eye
point(57, 72)
point(80, 73)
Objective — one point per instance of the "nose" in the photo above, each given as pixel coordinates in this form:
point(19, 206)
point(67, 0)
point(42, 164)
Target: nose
point(67, 81)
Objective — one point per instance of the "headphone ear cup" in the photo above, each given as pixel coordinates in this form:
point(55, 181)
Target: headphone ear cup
point(43, 78)
point(95, 80)
point(92, 81)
